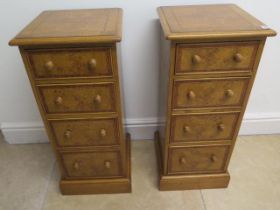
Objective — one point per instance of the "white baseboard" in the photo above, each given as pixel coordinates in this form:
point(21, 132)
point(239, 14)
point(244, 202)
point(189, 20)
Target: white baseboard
point(258, 124)
point(139, 128)
point(142, 128)
point(24, 132)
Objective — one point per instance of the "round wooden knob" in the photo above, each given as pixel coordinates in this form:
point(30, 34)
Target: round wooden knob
point(97, 99)
point(92, 64)
point(221, 127)
point(183, 160)
point(238, 57)
point(107, 164)
point(229, 93)
point(191, 95)
point(214, 158)
point(196, 59)
point(187, 129)
point(103, 132)
point(58, 100)
point(49, 65)
point(76, 165)
point(67, 134)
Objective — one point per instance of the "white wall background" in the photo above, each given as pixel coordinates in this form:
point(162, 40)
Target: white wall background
point(19, 116)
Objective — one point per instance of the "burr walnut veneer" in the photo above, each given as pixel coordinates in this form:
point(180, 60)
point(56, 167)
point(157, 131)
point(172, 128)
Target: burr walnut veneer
point(71, 61)
point(210, 55)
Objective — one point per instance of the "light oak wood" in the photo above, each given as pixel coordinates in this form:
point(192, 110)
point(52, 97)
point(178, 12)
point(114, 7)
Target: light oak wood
point(84, 165)
point(72, 63)
point(209, 92)
point(208, 67)
point(54, 63)
point(210, 21)
point(85, 132)
point(197, 159)
point(72, 27)
point(203, 127)
point(74, 98)
point(215, 57)
point(100, 186)
point(95, 186)
point(191, 181)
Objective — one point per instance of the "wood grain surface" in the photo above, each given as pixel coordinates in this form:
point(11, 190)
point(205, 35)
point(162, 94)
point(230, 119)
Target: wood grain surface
point(72, 27)
point(210, 21)
point(208, 66)
point(75, 62)
point(71, 60)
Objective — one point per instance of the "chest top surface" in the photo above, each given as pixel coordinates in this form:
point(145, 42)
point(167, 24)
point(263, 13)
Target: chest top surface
point(209, 21)
point(72, 26)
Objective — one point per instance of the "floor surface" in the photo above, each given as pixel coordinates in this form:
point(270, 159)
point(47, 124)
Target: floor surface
point(29, 181)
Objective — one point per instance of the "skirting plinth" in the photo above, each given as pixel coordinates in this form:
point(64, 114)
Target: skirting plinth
point(100, 186)
point(188, 182)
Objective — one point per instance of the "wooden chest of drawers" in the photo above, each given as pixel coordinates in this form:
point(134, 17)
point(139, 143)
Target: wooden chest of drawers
point(71, 60)
point(210, 55)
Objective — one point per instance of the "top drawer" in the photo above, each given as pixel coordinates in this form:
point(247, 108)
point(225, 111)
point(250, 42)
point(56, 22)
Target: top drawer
point(50, 63)
point(191, 58)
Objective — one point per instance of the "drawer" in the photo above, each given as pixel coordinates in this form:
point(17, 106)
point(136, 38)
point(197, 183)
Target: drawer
point(86, 132)
point(201, 127)
point(191, 58)
point(78, 98)
point(204, 159)
point(209, 92)
point(70, 62)
point(92, 164)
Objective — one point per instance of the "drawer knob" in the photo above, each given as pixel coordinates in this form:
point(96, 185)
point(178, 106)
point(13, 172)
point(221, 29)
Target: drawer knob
point(221, 127)
point(214, 158)
point(191, 95)
point(67, 134)
point(92, 64)
point(183, 160)
point(238, 57)
point(76, 165)
point(58, 100)
point(187, 129)
point(49, 65)
point(229, 93)
point(103, 132)
point(196, 59)
point(97, 99)
point(107, 164)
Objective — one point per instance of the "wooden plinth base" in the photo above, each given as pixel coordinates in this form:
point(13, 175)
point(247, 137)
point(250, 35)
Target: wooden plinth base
point(99, 186)
point(188, 182)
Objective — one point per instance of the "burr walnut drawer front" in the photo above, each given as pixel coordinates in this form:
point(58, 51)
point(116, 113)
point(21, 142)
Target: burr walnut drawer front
point(78, 98)
point(92, 164)
point(209, 92)
point(192, 58)
point(70, 62)
point(86, 132)
point(201, 127)
point(197, 159)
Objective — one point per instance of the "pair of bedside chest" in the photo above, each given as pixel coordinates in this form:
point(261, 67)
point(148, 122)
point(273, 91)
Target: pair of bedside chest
point(209, 63)
point(72, 63)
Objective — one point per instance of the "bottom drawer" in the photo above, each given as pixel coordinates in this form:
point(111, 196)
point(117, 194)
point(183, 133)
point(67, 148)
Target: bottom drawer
point(101, 164)
point(203, 159)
